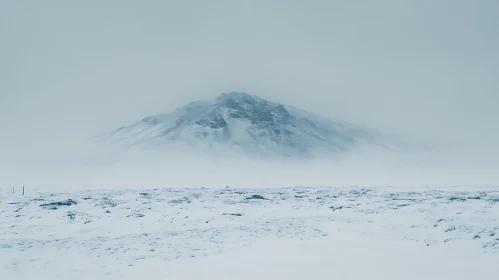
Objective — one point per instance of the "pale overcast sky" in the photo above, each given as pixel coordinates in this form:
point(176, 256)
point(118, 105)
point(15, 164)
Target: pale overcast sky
point(427, 69)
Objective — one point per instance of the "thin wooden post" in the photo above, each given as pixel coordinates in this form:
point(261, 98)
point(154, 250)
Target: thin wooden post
point(23, 190)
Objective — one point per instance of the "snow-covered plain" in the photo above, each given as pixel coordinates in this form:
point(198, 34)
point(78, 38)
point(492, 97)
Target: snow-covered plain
point(284, 233)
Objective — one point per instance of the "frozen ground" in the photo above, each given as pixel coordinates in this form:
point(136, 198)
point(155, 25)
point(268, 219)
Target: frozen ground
point(290, 233)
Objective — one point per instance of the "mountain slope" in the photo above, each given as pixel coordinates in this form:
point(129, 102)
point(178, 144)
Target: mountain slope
point(247, 123)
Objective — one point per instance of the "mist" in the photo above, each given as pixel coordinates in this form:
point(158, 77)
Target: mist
point(423, 71)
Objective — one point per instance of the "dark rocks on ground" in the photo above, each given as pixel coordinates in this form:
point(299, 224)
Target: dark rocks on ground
point(451, 228)
point(454, 198)
point(233, 214)
point(55, 205)
point(72, 215)
point(256, 196)
point(180, 200)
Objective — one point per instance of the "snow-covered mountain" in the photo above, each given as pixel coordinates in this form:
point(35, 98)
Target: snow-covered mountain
point(248, 123)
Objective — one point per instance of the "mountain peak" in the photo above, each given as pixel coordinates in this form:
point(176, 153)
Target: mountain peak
point(235, 95)
point(238, 120)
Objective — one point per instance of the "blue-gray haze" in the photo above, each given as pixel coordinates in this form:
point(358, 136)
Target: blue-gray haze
point(425, 70)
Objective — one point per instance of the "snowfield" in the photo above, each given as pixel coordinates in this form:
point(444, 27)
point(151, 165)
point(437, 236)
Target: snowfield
point(287, 233)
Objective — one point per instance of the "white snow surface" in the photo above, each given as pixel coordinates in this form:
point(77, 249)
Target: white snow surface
point(286, 233)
